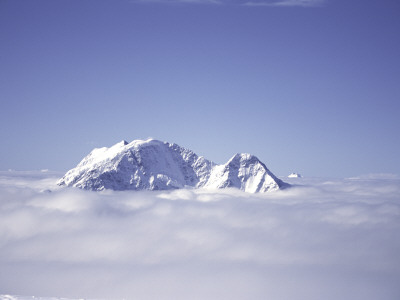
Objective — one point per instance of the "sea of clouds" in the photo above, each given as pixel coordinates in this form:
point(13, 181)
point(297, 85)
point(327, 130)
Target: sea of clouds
point(321, 239)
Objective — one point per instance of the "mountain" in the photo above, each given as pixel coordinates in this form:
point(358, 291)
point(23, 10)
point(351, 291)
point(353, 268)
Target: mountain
point(156, 165)
point(294, 175)
point(246, 172)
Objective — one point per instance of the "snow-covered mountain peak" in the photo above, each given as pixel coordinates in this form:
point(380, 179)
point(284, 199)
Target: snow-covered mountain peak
point(243, 158)
point(155, 165)
point(246, 172)
point(145, 143)
point(294, 175)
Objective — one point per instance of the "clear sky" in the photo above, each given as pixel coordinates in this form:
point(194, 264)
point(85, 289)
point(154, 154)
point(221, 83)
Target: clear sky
point(307, 86)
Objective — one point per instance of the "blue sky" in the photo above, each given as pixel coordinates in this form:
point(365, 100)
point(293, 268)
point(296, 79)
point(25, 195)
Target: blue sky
point(307, 86)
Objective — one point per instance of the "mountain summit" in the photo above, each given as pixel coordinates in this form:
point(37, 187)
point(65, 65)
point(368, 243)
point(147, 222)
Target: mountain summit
point(156, 165)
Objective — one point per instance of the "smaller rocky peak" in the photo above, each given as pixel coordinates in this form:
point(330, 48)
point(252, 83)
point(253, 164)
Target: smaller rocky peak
point(294, 175)
point(117, 145)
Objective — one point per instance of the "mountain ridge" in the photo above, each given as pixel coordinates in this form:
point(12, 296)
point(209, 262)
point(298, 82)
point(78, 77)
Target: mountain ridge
point(155, 165)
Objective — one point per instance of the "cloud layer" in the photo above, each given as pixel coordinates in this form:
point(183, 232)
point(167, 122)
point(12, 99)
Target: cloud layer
point(335, 239)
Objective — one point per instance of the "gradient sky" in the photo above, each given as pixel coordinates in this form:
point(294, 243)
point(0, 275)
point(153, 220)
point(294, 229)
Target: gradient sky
point(307, 86)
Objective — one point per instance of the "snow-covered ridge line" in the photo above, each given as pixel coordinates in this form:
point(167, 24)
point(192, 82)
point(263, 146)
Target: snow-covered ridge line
point(155, 165)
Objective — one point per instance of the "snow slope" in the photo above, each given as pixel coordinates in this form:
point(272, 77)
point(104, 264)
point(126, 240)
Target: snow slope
point(156, 165)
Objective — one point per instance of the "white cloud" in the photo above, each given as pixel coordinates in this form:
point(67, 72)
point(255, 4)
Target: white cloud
point(324, 239)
